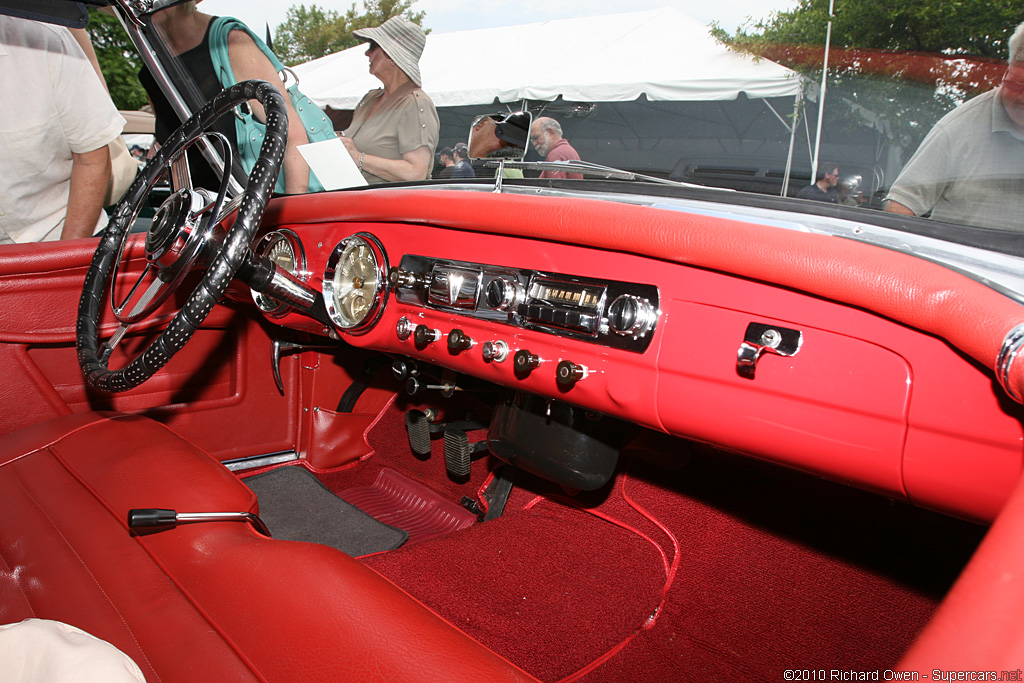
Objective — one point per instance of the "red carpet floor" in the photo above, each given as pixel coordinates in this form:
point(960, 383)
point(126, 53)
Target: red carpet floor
point(776, 570)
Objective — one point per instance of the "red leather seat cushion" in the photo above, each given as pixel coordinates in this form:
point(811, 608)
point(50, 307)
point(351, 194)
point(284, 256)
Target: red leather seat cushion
point(212, 601)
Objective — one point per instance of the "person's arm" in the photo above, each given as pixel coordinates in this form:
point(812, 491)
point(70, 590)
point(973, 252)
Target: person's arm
point(90, 175)
point(249, 62)
point(414, 165)
point(81, 36)
point(893, 206)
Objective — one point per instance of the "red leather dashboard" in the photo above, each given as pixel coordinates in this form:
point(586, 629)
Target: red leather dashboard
point(886, 391)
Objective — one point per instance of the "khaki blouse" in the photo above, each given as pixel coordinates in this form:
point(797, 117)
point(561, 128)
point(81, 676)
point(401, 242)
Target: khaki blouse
point(406, 122)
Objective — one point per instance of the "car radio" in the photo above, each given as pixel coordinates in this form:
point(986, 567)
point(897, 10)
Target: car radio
point(609, 312)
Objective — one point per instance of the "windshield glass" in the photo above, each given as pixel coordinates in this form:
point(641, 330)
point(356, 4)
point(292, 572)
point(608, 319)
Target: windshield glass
point(893, 108)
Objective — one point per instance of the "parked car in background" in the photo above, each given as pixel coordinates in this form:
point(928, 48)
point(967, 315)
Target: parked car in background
point(514, 428)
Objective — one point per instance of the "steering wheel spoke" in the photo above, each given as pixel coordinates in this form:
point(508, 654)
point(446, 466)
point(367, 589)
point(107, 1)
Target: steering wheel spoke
point(154, 295)
point(180, 176)
point(185, 235)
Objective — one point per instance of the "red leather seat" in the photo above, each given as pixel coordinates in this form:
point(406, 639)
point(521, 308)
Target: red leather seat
point(201, 602)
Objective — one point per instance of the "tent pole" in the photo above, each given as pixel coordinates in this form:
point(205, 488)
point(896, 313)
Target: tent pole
point(821, 101)
point(792, 141)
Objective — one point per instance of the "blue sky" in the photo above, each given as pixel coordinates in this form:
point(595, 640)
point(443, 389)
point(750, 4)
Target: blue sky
point(443, 16)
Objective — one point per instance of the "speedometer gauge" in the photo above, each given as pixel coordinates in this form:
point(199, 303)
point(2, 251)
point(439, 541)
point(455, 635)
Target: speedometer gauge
point(284, 249)
point(355, 285)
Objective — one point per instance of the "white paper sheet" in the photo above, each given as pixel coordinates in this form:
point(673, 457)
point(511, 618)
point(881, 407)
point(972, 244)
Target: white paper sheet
point(332, 164)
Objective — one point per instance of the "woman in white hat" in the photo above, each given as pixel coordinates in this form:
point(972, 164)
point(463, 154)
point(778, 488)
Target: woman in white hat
point(394, 129)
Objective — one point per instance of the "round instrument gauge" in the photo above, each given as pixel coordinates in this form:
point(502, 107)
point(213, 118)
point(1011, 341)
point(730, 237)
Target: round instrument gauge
point(355, 283)
point(284, 249)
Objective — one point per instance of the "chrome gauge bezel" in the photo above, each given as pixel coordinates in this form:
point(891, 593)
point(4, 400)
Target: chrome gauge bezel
point(270, 306)
point(380, 292)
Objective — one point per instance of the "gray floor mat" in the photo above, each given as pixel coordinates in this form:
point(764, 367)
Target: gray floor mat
point(295, 506)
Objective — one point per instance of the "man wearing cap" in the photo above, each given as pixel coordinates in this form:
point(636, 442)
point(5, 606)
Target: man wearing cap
point(394, 129)
point(462, 169)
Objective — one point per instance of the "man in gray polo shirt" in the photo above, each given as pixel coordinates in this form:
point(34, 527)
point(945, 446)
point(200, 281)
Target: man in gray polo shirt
point(970, 167)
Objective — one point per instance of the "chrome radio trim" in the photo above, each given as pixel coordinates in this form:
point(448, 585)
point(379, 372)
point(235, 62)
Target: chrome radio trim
point(451, 286)
point(554, 303)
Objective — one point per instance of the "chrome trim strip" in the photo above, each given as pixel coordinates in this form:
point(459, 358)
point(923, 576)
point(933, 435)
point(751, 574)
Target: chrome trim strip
point(260, 461)
point(1012, 344)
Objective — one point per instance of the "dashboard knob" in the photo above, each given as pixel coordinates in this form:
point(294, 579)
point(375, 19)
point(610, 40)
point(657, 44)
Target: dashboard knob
point(425, 336)
point(458, 341)
point(404, 328)
point(568, 373)
point(631, 316)
point(403, 278)
point(402, 369)
point(502, 293)
point(496, 351)
point(524, 363)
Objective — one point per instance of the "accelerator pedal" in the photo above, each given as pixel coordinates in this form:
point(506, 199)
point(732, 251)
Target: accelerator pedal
point(457, 452)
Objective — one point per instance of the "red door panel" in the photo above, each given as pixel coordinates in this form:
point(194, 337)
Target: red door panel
point(218, 392)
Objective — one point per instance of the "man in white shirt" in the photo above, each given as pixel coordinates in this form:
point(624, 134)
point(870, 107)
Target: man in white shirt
point(969, 169)
point(56, 121)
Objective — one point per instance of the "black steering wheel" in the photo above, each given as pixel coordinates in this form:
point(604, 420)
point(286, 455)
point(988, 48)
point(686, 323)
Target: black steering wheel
point(183, 236)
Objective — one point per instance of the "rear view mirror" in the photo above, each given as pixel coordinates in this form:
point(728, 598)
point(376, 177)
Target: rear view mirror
point(500, 136)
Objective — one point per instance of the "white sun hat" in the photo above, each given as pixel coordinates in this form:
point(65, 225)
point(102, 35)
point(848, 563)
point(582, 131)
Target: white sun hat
point(402, 41)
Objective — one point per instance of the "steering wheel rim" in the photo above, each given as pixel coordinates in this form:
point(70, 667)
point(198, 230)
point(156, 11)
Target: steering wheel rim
point(222, 268)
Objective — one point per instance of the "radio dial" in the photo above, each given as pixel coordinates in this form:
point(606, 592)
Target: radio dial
point(502, 293)
point(631, 316)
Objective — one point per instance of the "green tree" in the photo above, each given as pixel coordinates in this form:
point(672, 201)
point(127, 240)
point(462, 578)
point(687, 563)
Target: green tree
point(905, 61)
point(308, 34)
point(118, 60)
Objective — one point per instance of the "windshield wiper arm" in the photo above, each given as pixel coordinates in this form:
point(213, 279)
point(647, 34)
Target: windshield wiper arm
point(585, 168)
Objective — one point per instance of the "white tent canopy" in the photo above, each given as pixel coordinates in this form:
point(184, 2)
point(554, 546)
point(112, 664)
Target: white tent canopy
point(663, 54)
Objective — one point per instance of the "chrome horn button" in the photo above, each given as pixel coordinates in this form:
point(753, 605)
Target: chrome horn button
point(173, 227)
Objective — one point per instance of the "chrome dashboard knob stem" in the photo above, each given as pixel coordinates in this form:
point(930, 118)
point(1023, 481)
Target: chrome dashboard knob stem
point(495, 351)
point(399, 279)
point(404, 328)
